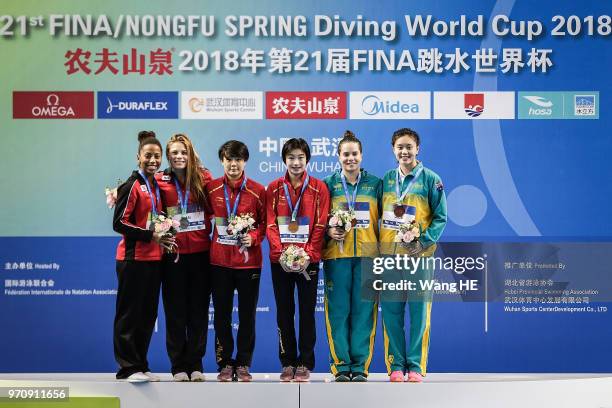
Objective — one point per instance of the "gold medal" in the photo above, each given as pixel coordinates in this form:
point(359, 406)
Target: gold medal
point(293, 226)
point(184, 223)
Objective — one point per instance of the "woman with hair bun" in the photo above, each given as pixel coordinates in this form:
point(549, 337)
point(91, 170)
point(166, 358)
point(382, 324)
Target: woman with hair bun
point(186, 277)
point(139, 255)
point(350, 310)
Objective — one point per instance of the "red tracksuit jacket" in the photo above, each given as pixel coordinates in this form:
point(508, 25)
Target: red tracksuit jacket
point(196, 240)
point(252, 200)
point(314, 209)
point(131, 215)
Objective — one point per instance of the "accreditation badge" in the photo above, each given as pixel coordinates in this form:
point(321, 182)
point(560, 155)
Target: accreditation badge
point(392, 221)
point(193, 220)
point(289, 234)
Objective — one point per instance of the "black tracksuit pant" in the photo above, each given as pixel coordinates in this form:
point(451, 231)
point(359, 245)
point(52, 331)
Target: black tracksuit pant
point(186, 287)
point(135, 314)
point(224, 282)
point(284, 291)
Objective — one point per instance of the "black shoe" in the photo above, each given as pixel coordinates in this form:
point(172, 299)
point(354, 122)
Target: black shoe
point(359, 377)
point(343, 376)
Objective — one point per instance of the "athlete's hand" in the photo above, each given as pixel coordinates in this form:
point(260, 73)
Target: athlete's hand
point(246, 240)
point(336, 233)
point(167, 241)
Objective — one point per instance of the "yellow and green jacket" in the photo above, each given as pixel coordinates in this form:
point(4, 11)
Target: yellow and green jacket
point(427, 195)
point(359, 242)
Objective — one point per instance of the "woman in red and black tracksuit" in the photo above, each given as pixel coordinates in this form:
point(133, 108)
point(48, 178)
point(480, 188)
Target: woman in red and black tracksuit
point(186, 283)
point(236, 264)
point(139, 257)
point(297, 210)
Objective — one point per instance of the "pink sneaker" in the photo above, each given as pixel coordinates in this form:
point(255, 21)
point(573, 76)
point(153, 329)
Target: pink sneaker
point(396, 376)
point(414, 377)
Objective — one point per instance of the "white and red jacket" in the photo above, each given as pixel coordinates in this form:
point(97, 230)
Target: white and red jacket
point(132, 211)
point(188, 242)
point(252, 200)
point(314, 205)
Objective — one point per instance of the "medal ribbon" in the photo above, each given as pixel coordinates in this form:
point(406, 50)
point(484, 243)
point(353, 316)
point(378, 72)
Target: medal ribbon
point(400, 199)
point(296, 209)
point(227, 199)
point(183, 199)
point(351, 204)
point(153, 202)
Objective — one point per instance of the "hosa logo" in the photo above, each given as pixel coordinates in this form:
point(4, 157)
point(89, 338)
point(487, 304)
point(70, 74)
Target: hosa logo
point(137, 105)
point(544, 106)
point(390, 105)
point(52, 105)
point(473, 104)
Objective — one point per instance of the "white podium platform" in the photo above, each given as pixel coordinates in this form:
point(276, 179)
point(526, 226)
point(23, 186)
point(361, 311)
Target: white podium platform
point(439, 390)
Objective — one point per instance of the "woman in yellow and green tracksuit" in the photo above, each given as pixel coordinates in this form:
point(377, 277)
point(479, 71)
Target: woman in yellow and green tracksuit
point(350, 310)
point(410, 191)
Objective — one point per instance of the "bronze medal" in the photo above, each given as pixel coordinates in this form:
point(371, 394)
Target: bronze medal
point(293, 226)
point(354, 222)
point(399, 210)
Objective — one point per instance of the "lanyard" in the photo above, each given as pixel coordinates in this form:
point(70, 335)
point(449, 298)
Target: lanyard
point(351, 204)
point(153, 202)
point(397, 184)
point(183, 199)
point(296, 209)
point(232, 213)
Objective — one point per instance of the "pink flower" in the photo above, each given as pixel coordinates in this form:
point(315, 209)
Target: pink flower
point(408, 236)
point(334, 221)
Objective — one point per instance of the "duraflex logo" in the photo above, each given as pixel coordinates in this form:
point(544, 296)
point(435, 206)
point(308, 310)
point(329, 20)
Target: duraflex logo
point(390, 105)
point(137, 105)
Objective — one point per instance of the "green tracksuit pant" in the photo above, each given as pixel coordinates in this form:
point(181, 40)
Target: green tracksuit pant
point(399, 355)
point(350, 315)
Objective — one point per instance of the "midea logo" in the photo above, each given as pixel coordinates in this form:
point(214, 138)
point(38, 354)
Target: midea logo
point(372, 105)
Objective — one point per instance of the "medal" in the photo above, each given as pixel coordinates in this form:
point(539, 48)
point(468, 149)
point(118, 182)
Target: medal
point(183, 201)
point(154, 202)
point(353, 222)
point(184, 223)
point(399, 210)
point(293, 225)
point(350, 203)
point(232, 213)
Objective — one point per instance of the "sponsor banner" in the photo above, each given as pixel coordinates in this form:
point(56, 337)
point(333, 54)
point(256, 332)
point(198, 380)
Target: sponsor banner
point(558, 105)
point(540, 105)
point(581, 105)
point(390, 105)
point(474, 105)
point(137, 105)
point(53, 105)
point(305, 105)
point(221, 105)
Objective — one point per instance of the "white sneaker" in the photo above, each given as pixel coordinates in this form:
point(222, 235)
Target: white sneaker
point(138, 377)
point(152, 377)
point(197, 376)
point(180, 377)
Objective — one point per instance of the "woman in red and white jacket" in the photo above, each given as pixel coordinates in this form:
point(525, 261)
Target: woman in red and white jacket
point(236, 263)
point(186, 283)
point(139, 255)
point(297, 209)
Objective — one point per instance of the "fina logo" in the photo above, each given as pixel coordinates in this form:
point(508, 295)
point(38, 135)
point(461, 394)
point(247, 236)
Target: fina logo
point(136, 106)
point(372, 105)
point(543, 103)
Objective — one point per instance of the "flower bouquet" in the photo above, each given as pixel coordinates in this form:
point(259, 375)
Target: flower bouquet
point(111, 194)
point(408, 237)
point(344, 220)
point(237, 227)
point(167, 227)
point(294, 259)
